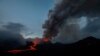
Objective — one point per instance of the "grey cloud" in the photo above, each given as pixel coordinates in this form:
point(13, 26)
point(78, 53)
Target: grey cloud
point(14, 27)
point(93, 28)
point(65, 10)
point(10, 36)
point(10, 40)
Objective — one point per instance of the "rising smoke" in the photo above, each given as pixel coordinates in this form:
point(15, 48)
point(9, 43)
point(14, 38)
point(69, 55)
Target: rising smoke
point(64, 23)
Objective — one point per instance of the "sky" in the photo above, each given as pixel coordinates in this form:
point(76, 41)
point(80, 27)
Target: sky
point(31, 13)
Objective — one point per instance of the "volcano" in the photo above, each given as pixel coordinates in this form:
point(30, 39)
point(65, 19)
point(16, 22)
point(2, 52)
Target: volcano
point(45, 49)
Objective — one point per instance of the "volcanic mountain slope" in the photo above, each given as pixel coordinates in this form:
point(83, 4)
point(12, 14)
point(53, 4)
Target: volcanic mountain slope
point(47, 49)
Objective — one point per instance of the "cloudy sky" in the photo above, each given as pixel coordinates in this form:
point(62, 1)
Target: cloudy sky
point(31, 13)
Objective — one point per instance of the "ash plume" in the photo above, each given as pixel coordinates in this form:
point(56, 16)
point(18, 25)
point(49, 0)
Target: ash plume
point(64, 19)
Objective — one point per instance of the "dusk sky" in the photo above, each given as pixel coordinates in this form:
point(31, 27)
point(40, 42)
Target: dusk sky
point(31, 13)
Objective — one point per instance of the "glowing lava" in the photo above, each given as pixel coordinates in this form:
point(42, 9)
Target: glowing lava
point(30, 48)
point(45, 40)
point(15, 51)
point(36, 41)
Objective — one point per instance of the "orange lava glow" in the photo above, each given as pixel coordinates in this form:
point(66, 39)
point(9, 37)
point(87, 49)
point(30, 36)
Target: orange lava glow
point(15, 51)
point(45, 40)
point(30, 48)
point(36, 41)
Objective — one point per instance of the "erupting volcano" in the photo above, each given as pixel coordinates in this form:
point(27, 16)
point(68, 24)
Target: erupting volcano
point(32, 47)
point(68, 27)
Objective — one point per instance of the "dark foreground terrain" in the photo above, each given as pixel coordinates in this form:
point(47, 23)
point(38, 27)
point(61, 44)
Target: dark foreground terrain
point(86, 46)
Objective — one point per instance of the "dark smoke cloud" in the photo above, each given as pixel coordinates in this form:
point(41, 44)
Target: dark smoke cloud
point(69, 11)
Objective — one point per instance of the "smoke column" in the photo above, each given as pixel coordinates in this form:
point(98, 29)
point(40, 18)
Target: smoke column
point(64, 22)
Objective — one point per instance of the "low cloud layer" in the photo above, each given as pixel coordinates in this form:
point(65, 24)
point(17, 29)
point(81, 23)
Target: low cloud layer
point(9, 40)
point(14, 27)
point(10, 36)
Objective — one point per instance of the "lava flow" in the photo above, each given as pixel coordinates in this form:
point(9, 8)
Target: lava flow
point(32, 47)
